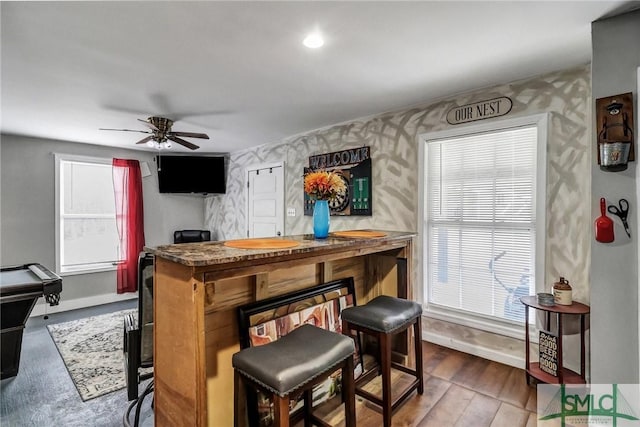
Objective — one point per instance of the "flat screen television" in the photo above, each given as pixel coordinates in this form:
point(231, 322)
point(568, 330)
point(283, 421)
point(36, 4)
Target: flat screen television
point(191, 174)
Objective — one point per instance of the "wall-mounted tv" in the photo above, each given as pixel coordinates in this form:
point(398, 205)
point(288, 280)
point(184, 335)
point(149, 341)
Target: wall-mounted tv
point(191, 174)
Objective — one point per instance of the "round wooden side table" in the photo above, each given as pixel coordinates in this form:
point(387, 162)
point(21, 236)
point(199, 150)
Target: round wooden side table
point(565, 376)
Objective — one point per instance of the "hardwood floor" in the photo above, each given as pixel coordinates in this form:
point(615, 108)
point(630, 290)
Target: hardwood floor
point(460, 390)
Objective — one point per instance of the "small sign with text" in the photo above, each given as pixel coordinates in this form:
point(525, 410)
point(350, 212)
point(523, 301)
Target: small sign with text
point(479, 110)
point(549, 353)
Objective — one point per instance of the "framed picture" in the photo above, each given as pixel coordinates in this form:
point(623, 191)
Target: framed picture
point(262, 322)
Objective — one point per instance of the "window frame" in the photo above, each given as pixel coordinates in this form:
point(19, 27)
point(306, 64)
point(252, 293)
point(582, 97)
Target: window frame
point(541, 121)
point(94, 268)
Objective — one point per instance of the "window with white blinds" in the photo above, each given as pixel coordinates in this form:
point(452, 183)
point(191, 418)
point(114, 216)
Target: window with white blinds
point(86, 233)
point(482, 227)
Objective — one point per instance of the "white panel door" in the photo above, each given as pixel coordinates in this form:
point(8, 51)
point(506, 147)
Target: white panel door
point(265, 216)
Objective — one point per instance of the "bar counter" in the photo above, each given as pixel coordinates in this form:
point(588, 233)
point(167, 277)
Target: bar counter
point(198, 287)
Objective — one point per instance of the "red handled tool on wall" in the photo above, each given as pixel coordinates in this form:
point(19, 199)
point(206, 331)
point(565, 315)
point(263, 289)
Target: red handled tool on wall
point(604, 224)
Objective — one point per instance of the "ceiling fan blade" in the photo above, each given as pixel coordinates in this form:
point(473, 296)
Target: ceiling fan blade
point(144, 140)
point(182, 142)
point(126, 130)
point(148, 124)
point(190, 134)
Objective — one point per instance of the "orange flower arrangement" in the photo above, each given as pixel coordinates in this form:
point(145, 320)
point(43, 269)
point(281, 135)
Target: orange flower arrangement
point(323, 185)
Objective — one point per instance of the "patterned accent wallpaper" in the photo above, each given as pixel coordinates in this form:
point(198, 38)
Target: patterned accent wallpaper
point(393, 138)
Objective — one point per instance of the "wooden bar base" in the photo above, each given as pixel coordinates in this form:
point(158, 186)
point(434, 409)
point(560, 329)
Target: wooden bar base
point(198, 287)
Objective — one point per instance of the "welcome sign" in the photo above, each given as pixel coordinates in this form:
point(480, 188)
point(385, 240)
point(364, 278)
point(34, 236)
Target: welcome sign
point(339, 158)
point(353, 166)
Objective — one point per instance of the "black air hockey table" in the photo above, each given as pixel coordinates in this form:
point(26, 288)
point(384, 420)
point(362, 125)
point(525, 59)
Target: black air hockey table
point(20, 288)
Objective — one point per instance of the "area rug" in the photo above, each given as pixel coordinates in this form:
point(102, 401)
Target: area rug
point(91, 349)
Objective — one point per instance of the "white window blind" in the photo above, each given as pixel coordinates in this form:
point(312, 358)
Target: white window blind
point(87, 233)
point(481, 221)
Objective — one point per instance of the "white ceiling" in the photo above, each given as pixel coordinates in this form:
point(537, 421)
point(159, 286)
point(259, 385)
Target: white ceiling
point(238, 70)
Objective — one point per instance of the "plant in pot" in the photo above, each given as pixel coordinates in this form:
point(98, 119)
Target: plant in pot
point(322, 186)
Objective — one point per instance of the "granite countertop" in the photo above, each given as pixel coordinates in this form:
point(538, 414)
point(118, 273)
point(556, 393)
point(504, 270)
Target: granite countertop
point(212, 253)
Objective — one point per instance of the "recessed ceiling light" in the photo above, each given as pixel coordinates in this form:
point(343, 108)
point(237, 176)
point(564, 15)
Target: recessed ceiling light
point(313, 40)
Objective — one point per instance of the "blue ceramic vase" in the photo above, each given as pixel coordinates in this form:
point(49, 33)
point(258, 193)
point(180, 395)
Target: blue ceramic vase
point(321, 219)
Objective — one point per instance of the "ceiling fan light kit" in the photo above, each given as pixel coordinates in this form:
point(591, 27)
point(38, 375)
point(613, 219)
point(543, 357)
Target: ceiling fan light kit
point(160, 145)
point(161, 136)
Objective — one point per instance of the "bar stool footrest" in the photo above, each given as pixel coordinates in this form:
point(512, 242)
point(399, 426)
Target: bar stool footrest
point(319, 421)
point(404, 369)
point(400, 399)
point(369, 396)
point(367, 376)
point(394, 403)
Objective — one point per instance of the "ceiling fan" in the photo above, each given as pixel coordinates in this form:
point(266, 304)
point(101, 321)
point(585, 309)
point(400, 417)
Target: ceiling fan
point(161, 135)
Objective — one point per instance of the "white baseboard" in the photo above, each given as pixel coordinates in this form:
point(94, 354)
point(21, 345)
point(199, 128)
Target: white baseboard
point(484, 352)
point(42, 308)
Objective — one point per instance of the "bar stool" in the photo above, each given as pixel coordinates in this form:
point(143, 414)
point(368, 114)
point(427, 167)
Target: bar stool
point(382, 318)
point(294, 363)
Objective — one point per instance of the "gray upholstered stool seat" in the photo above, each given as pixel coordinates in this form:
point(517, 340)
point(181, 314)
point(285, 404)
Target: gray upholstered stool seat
point(383, 313)
point(295, 359)
point(294, 363)
point(382, 318)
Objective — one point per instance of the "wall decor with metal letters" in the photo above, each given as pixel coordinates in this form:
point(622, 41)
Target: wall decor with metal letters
point(354, 167)
point(481, 110)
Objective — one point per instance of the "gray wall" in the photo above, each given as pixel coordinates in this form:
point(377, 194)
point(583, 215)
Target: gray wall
point(614, 267)
point(27, 209)
point(393, 137)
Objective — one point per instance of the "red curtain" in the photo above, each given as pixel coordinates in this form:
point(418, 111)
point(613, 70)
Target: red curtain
point(127, 184)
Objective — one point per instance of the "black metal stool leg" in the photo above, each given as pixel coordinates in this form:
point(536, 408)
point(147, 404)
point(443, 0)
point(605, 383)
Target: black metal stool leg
point(417, 332)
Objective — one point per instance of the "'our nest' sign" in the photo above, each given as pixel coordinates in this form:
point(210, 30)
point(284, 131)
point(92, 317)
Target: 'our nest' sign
point(488, 109)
